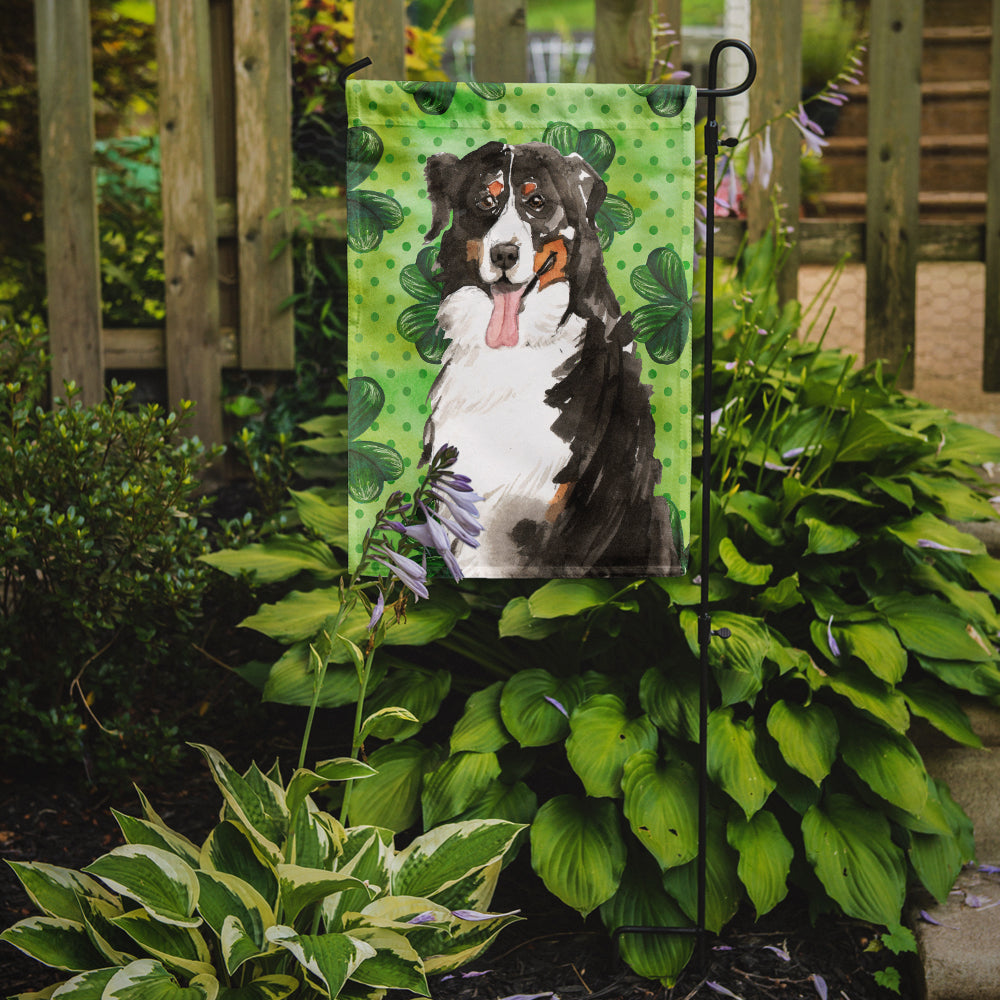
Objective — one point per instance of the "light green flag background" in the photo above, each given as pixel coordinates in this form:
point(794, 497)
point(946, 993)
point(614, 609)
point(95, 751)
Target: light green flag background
point(639, 138)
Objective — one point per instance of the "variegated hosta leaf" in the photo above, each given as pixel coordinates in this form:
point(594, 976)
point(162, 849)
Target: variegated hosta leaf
point(441, 857)
point(765, 858)
point(467, 940)
point(301, 887)
point(177, 947)
point(256, 801)
point(230, 849)
point(367, 856)
point(315, 838)
point(732, 760)
point(578, 851)
point(54, 941)
point(149, 980)
point(456, 784)
point(661, 800)
point(329, 959)
point(141, 831)
point(225, 897)
point(602, 738)
point(807, 736)
point(481, 727)
point(98, 915)
point(642, 902)
point(395, 964)
point(851, 849)
point(56, 891)
point(86, 986)
point(304, 782)
point(723, 889)
point(475, 891)
point(275, 987)
point(158, 880)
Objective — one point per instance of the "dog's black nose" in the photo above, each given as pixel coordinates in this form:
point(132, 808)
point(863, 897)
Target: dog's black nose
point(504, 256)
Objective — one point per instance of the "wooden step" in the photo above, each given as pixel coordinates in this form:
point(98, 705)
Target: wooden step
point(940, 13)
point(946, 105)
point(957, 206)
point(947, 163)
point(956, 53)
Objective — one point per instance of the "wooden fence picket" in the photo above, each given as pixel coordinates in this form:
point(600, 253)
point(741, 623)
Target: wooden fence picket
point(991, 331)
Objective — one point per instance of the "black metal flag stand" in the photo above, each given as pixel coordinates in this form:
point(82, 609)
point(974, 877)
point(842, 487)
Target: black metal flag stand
point(705, 631)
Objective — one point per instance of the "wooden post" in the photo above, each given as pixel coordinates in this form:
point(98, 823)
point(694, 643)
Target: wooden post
point(776, 35)
point(991, 333)
point(262, 60)
point(190, 254)
point(72, 255)
point(380, 34)
point(622, 40)
point(501, 40)
point(893, 183)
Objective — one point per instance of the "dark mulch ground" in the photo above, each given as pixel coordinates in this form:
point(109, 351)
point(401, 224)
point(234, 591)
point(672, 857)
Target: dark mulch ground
point(550, 952)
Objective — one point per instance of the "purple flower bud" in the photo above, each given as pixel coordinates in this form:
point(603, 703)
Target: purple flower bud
point(820, 983)
point(377, 612)
point(427, 917)
point(558, 705)
point(411, 574)
point(834, 648)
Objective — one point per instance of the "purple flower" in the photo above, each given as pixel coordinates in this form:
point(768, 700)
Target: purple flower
point(780, 952)
point(820, 983)
point(834, 648)
point(719, 988)
point(411, 574)
point(377, 611)
point(475, 915)
point(927, 543)
point(811, 132)
point(558, 705)
point(461, 505)
point(431, 535)
point(427, 917)
point(761, 163)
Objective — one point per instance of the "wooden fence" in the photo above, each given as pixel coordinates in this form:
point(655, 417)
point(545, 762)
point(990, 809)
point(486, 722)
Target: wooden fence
point(226, 161)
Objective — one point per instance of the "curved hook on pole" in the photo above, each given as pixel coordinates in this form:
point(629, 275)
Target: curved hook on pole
point(713, 69)
point(348, 70)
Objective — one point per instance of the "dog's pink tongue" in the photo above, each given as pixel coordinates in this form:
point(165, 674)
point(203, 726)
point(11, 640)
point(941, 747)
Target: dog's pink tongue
point(502, 328)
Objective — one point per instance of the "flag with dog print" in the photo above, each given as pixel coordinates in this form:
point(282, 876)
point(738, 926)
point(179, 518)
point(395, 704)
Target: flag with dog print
point(521, 264)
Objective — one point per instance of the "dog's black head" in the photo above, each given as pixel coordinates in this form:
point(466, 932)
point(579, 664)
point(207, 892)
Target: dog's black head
point(509, 213)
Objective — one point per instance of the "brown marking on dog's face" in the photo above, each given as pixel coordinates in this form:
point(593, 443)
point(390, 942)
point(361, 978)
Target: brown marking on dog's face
point(558, 270)
point(529, 187)
point(495, 188)
point(474, 250)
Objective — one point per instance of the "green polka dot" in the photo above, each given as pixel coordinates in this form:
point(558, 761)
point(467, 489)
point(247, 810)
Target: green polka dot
point(682, 445)
point(374, 357)
point(671, 143)
point(374, 281)
point(684, 409)
point(422, 409)
point(621, 265)
point(407, 355)
point(407, 462)
point(390, 299)
point(518, 126)
point(572, 109)
point(637, 178)
point(406, 175)
point(390, 373)
point(605, 109)
point(653, 373)
point(654, 161)
point(621, 161)
point(390, 408)
point(486, 126)
point(654, 195)
point(358, 337)
point(637, 109)
point(637, 143)
point(502, 108)
point(358, 299)
point(518, 91)
point(372, 106)
point(374, 318)
point(621, 126)
point(406, 426)
point(669, 212)
point(421, 123)
point(686, 127)
point(438, 141)
point(406, 247)
point(421, 158)
point(421, 228)
point(359, 263)
point(388, 88)
point(668, 427)
point(405, 141)
point(667, 462)
point(589, 91)
point(653, 230)
point(470, 106)
point(654, 126)
point(406, 390)
point(391, 443)
point(422, 373)
point(685, 373)
point(637, 247)
point(622, 92)
point(534, 109)
point(670, 178)
point(683, 481)
point(551, 91)
point(668, 390)
point(359, 514)
point(470, 142)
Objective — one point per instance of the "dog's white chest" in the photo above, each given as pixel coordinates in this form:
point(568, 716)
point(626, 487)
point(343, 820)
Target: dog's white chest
point(490, 404)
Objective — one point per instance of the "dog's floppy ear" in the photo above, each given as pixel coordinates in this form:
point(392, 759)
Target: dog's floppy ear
point(441, 173)
point(586, 179)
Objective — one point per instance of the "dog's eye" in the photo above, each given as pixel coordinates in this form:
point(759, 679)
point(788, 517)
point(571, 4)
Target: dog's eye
point(487, 203)
point(536, 202)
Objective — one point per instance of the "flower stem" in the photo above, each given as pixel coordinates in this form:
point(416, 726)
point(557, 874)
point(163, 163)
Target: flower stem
point(357, 739)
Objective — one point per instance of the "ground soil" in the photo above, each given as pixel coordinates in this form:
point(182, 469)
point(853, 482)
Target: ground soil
point(551, 951)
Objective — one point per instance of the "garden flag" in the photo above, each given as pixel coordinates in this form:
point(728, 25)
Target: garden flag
point(520, 263)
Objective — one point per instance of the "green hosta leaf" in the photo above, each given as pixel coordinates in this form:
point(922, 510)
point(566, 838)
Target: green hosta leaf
point(528, 710)
point(481, 728)
point(783, 595)
point(642, 902)
point(330, 959)
point(262, 812)
point(147, 979)
point(364, 150)
point(432, 344)
point(760, 512)
point(807, 736)
point(517, 620)
point(280, 557)
point(558, 598)
point(752, 574)
point(964, 443)
point(661, 798)
point(420, 691)
point(850, 847)
point(315, 839)
point(56, 891)
point(391, 798)
point(395, 964)
point(739, 660)
point(828, 539)
point(957, 501)
point(180, 948)
point(370, 466)
point(865, 692)
point(456, 784)
point(937, 858)
point(928, 528)
point(301, 887)
point(578, 851)
point(876, 646)
point(440, 858)
point(765, 859)
point(327, 519)
point(976, 678)
point(732, 761)
point(602, 738)
point(54, 941)
point(162, 883)
point(671, 700)
point(870, 436)
point(724, 891)
point(275, 987)
point(941, 709)
point(386, 723)
point(888, 763)
point(986, 572)
point(932, 628)
point(229, 849)
point(515, 803)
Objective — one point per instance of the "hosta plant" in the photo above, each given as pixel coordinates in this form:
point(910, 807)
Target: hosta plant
point(279, 900)
point(855, 605)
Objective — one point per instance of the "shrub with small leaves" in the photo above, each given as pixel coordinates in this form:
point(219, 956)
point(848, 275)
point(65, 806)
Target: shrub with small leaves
point(99, 574)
